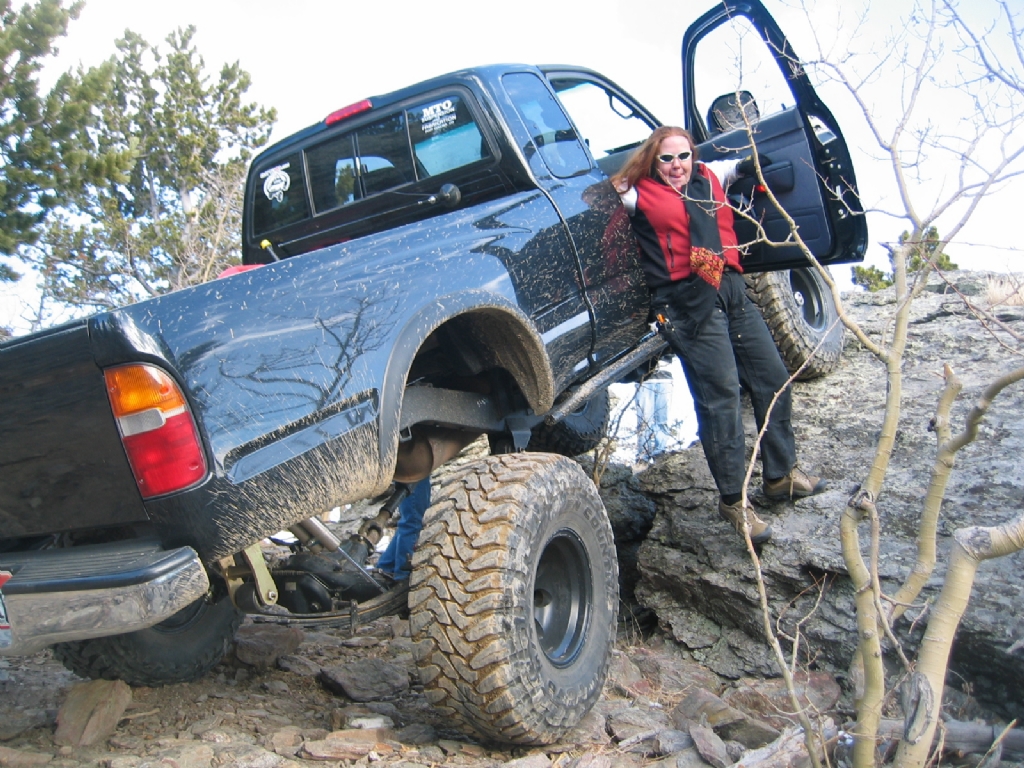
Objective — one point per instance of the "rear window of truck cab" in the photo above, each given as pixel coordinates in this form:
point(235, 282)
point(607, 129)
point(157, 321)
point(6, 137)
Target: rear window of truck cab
point(416, 143)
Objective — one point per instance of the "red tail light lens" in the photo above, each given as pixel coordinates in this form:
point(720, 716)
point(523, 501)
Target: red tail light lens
point(157, 429)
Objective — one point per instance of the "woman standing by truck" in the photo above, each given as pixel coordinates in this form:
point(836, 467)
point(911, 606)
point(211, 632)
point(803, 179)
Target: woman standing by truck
point(691, 259)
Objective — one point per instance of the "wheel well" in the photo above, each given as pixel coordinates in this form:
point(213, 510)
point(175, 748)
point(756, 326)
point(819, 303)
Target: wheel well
point(486, 351)
point(475, 344)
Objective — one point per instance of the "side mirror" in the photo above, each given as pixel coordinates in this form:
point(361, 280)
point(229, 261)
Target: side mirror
point(727, 112)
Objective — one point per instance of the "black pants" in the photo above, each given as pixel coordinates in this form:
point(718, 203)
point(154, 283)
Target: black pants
point(732, 346)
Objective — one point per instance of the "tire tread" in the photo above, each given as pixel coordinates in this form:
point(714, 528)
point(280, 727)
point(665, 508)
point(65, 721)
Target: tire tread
point(795, 338)
point(470, 658)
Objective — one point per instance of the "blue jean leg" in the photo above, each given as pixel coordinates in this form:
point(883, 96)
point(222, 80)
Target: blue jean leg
point(395, 559)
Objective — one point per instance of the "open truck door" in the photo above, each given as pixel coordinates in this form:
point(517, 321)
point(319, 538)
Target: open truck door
point(744, 86)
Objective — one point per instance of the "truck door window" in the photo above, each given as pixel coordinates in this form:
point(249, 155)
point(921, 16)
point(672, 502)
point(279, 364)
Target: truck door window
point(279, 198)
point(549, 128)
point(734, 59)
point(609, 125)
point(444, 136)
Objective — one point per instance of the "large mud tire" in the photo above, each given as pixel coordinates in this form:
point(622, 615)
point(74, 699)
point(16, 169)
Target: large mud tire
point(801, 314)
point(178, 650)
point(579, 432)
point(513, 598)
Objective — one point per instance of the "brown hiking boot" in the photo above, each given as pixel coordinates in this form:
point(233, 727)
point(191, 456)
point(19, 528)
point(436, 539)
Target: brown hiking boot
point(760, 531)
point(796, 485)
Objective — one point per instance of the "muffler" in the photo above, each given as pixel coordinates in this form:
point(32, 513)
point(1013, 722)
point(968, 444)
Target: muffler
point(427, 449)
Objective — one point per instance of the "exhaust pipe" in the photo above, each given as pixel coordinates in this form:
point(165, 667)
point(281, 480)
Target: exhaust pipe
point(428, 449)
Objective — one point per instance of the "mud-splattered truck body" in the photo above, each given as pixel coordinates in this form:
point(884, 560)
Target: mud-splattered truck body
point(421, 268)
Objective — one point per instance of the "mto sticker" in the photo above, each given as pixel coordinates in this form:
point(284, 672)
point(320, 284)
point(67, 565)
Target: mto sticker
point(276, 182)
point(438, 117)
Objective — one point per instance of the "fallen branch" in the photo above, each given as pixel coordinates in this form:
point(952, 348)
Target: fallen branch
point(968, 738)
point(137, 715)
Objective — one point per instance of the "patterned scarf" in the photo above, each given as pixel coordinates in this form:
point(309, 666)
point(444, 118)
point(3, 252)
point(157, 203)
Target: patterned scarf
point(706, 257)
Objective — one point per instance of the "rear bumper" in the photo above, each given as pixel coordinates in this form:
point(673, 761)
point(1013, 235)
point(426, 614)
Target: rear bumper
point(59, 595)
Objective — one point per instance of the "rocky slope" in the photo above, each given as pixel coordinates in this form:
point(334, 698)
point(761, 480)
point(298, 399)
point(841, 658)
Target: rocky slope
point(286, 698)
point(698, 580)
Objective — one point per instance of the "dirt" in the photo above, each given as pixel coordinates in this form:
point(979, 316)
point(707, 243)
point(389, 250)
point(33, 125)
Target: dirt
point(239, 715)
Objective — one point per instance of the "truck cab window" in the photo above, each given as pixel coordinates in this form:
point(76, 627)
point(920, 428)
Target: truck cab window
point(547, 124)
point(444, 136)
point(372, 159)
point(417, 143)
point(608, 124)
point(279, 198)
point(332, 173)
point(384, 157)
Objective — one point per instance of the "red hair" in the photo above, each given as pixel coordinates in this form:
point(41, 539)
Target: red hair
point(641, 163)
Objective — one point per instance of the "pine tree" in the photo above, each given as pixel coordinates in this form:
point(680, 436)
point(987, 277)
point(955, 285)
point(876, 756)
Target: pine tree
point(926, 249)
point(176, 219)
point(46, 147)
point(871, 278)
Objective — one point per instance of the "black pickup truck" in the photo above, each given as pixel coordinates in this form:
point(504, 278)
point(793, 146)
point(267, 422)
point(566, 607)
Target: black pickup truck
point(420, 269)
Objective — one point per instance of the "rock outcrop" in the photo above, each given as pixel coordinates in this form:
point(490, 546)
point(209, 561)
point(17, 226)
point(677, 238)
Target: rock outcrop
point(695, 573)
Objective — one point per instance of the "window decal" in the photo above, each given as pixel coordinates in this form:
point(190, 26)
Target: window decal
point(438, 117)
point(276, 182)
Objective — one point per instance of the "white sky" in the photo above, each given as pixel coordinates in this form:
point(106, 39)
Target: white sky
point(309, 57)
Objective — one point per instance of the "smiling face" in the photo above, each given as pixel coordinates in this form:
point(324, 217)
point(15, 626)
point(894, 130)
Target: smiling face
point(676, 172)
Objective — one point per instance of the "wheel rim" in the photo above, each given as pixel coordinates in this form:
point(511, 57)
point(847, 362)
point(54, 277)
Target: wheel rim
point(808, 298)
point(561, 598)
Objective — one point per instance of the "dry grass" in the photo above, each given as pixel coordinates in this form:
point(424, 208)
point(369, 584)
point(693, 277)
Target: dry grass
point(1005, 290)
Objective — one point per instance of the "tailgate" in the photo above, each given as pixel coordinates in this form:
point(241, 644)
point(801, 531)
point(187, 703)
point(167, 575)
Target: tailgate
point(62, 466)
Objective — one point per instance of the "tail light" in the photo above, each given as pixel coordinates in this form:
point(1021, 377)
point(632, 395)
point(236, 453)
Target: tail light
point(157, 429)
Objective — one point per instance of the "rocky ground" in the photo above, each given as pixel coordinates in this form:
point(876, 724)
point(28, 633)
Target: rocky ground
point(687, 685)
point(699, 584)
point(337, 699)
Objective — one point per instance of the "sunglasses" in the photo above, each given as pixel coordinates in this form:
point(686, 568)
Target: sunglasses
point(670, 158)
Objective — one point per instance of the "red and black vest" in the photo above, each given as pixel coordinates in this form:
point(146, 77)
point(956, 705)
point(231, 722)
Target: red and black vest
point(662, 228)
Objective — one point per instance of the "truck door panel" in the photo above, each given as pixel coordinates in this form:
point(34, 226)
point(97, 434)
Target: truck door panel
point(792, 178)
point(606, 257)
point(743, 86)
point(611, 125)
point(554, 157)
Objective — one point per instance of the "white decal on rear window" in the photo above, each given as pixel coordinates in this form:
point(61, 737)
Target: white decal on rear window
point(276, 182)
point(438, 116)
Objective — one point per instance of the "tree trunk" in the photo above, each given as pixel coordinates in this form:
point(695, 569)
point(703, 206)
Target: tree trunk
point(921, 710)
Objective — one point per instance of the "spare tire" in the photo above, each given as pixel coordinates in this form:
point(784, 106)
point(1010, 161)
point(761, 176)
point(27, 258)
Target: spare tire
point(513, 597)
point(801, 314)
point(579, 432)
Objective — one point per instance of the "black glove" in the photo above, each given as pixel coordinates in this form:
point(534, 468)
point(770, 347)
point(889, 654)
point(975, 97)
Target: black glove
point(745, 167)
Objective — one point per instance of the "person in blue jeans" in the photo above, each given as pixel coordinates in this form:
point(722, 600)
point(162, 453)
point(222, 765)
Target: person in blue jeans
point(394, 562)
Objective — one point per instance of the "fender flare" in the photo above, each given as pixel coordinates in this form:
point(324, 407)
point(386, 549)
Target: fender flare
point(522, 354)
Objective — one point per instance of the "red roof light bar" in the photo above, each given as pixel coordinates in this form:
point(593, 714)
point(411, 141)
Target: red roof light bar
point(346, 112)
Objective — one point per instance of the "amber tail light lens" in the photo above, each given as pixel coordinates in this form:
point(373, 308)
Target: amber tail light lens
point(157, 429)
